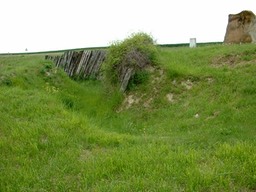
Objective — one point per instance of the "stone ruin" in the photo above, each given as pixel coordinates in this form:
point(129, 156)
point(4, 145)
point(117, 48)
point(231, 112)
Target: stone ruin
point(241, 28)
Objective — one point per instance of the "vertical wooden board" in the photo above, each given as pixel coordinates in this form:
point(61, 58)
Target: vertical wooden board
point(124, 83)
point(80, 64)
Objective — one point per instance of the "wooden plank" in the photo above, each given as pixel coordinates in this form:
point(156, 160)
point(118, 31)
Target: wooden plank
point(127, 76)
point(81, 64)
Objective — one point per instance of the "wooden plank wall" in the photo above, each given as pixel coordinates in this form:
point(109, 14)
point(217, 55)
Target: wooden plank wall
point(87, 64)
point(82, 64)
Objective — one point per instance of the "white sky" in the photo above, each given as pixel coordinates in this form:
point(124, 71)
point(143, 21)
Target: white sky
point(42, 25)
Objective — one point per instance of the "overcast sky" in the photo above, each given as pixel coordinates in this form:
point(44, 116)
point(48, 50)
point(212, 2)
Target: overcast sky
point(41, 25)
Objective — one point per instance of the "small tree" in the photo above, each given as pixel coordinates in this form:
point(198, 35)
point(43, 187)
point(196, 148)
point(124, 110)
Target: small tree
point(126, 59)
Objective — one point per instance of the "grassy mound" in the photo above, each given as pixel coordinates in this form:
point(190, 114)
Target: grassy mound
point(189, 127)
point(126, 61)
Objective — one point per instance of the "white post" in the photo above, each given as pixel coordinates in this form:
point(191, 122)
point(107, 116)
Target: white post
point(192, 42)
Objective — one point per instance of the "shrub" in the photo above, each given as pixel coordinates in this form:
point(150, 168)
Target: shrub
point(125, 59)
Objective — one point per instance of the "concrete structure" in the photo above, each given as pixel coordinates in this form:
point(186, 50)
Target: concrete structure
point(192, 42)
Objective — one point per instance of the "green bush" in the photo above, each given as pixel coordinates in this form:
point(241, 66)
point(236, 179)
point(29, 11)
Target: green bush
point(139, 77)
point(136, 52)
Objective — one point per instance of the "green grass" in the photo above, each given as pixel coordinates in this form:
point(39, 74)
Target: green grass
point(57, 134)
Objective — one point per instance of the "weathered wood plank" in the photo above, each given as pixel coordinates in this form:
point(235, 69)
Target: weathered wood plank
point(129, 72)
point(81, 64)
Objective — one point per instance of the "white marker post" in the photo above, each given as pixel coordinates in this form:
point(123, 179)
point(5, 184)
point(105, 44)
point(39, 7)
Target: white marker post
point(192, 42)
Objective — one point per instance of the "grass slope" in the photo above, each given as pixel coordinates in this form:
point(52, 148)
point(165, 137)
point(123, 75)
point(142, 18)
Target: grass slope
point(190, 127)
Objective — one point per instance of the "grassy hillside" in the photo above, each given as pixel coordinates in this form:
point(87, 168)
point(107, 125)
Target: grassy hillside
point(190, 126)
